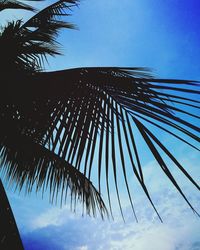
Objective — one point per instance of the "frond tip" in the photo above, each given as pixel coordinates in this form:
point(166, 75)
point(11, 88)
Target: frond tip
point(14, 4)
point(51, 14)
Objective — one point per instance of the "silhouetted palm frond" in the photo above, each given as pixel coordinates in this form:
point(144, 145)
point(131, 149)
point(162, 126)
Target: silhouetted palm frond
point(23, 50)
point(51, 14)
point(14, 4)
point(48, 22)
point(25, 46)
point(79, 113)
point(27, 164)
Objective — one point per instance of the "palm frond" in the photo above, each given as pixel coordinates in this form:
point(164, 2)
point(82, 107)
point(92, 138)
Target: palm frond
point(27, 164)
point(24, 50)
point(51, 14)
point(108, 101)
point(79, 113)
point(14, 4)
point(26, 46)
point(47, 22)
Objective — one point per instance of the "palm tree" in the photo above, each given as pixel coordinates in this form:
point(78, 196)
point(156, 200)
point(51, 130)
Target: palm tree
point(53, 123)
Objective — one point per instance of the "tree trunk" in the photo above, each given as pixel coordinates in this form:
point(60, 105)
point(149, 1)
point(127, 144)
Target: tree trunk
point(9, 234)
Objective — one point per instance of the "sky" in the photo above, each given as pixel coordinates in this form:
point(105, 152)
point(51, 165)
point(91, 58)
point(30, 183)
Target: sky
point(161, 35)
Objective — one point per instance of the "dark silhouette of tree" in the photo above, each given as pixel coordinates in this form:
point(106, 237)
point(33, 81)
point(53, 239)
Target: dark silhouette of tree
point(53, 123)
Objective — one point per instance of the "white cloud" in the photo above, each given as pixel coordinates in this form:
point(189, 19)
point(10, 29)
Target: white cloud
point(179, 230)
point(157, 237)
point(53, 217)
point(82, 248)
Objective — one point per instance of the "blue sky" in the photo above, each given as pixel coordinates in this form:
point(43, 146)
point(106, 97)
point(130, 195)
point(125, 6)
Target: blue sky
point(162, 35)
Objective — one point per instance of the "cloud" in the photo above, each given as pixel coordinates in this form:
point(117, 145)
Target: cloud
point(84, 233)
point(54, 217)
point(82, 248)
point(63, 230)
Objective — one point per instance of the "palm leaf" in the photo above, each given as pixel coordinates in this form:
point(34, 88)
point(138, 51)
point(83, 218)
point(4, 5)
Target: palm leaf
point(25, 46)
point(27, 164)
point(14, 4)
point(23, 50)
point(51, 14)
point(80, 112)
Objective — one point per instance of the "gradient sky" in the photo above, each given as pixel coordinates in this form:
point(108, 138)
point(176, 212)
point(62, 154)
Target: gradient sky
point(162, 35)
